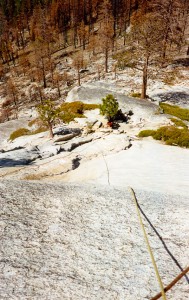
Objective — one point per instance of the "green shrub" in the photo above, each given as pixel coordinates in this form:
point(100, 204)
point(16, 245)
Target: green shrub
point(171, 135)
point(146, 133)
point(181, 113)
point(179, 123)
point(166, 132)
point(19, 132)
point(109, 107)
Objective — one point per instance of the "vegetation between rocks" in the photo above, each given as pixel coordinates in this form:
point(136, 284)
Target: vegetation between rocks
point(146, 133)
point(48, 113)
point(24, 131)
point(136, 95)
point(71, 110)
point(171, 135)
point(19, 132)
point(181, 113)
point(179, 123)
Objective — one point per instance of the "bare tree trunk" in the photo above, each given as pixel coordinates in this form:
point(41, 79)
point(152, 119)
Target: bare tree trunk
point(145, 80)
point(58, 87)
point(44, 76)
point(50, 130)
point(78, 78)
point(106, 60)
point(144, 84)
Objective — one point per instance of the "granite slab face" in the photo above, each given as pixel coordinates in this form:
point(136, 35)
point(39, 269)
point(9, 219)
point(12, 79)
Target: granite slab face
point(64, 241)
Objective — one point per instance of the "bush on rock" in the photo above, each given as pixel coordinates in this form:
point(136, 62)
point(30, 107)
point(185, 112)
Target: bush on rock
point(109, 107)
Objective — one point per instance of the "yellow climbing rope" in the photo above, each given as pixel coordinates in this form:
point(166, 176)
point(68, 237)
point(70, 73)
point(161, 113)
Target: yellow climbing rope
point(148, 245)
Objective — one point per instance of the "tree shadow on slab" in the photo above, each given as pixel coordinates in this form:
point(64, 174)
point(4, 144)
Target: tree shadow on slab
point(76, 163)
point(8, 162)
point(174, 97)
point(162, 241)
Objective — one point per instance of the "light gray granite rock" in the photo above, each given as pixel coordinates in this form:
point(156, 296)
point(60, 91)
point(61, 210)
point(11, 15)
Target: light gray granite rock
point(66, 137)
point(18, 157)
point(76, 142)
point(85, 242)
point(48, 150)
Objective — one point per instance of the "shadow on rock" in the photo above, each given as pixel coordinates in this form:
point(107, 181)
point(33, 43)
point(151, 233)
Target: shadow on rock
point(76, 163)
point(163, 242)
point(8, 162)
point(174, 97)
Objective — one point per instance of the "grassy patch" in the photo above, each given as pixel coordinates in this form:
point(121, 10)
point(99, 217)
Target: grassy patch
point(71, 110)
point(67, 117)
point(19, 132)
point(136, 95)
point(24, 131)
point(181, 113)
point(146, 133)
point(77, 107)
point(179, 123)
point(171, 135)
point(91, 106)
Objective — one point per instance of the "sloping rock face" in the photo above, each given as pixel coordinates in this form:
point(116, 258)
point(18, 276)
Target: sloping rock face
point(85, 242)
point(8, 127)
point(146, 165)
point(94, 92)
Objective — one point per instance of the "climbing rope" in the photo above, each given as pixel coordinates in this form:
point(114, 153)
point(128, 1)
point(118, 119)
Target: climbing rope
point(148, 245)
point(170, 285)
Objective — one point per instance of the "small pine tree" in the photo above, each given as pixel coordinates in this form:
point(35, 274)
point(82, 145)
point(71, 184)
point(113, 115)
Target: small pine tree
point(109, 107)
point(48, 114)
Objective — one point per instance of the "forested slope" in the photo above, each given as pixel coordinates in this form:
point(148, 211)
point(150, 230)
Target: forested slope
point(32, 32)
